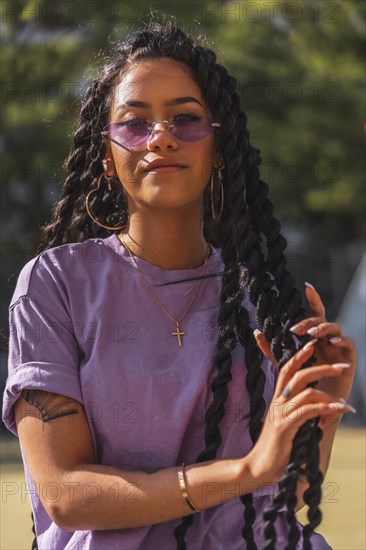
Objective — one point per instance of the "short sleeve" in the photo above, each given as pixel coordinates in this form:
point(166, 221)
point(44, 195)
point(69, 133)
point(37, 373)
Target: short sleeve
point(43, 351)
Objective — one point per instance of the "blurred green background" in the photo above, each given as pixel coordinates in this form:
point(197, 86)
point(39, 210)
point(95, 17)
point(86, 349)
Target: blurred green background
point(301, 75)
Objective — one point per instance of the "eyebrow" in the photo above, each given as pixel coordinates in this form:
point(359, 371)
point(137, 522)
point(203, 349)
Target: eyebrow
point(175, 101)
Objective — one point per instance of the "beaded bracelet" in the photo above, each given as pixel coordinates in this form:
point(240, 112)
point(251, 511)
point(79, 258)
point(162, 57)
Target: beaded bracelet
point(183, 487)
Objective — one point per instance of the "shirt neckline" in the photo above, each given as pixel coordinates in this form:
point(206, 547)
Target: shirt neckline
point(213, 263)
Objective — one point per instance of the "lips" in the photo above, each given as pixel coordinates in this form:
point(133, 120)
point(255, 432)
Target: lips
point(163, 163)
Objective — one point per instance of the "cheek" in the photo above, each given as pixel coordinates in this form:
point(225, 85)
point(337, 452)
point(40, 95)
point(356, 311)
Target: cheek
point(126, 167)
point(203, 171)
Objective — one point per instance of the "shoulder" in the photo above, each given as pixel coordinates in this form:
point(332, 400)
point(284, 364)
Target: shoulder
point(49, 269)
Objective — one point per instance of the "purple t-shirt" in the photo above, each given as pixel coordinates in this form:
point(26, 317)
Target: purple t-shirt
point(83, 325)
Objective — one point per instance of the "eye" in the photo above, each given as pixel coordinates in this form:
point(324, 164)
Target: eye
point(133, 122)
point(186, 116)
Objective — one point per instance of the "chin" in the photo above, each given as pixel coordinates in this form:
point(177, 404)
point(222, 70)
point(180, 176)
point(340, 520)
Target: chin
point(172, 201)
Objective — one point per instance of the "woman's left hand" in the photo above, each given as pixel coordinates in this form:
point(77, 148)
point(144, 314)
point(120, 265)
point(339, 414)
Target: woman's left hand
point(331, 346)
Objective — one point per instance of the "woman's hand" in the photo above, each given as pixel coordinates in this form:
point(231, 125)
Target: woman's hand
point(292, 405)
point(331, 346)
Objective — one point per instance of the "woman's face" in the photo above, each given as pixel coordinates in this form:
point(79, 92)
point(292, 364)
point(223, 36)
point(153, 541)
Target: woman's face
point(157, 85)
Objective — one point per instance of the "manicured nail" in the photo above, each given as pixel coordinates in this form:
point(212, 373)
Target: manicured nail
point(257, 333)
point(295, 328)
point(349, 407)
point(310, 343)
point(335, 340)
point(341, 366)
point(313, 331)
point(309, 285)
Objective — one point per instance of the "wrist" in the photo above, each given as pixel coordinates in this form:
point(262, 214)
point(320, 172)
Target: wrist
point(251, 478)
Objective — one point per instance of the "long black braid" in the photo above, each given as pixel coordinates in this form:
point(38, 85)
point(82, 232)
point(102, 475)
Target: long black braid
point(251, 250)
point(305, 449)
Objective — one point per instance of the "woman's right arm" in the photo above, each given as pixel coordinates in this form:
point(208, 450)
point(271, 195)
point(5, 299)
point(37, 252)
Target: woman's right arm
point(81, 495)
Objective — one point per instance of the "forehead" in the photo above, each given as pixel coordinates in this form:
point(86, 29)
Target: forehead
point(154, 81)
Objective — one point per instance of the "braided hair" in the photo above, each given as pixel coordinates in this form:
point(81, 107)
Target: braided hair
point(252, 252)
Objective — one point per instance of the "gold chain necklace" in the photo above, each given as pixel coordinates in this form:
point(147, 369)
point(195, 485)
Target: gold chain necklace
point(178, 332)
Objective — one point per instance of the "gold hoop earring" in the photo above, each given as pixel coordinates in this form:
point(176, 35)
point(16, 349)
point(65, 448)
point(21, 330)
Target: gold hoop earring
point(88, 207)
point(220, 168)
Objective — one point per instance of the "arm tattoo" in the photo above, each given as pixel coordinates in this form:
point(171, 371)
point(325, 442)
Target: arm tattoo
point(50, 405)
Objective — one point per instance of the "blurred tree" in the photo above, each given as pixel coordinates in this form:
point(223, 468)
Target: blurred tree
point(301, 72)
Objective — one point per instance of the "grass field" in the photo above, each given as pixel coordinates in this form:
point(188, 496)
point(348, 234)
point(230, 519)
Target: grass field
point(343, 504)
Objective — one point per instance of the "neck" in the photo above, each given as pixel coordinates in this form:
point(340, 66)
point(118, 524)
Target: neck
point(166, 239)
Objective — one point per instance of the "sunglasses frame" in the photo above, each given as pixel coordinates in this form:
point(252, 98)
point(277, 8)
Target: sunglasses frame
point(151, 130)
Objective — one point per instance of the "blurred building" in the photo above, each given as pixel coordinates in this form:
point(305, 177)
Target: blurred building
point(352, 317)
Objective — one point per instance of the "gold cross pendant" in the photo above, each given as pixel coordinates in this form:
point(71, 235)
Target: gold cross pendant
point(178, 334)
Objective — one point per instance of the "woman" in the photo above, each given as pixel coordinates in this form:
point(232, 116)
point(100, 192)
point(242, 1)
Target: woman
point(141, 348)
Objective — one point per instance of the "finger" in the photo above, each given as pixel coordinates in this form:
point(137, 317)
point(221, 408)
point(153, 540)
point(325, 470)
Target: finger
point(325, 411)
point(264, 345)
point(343, 342)
point(306, 396)
point(346, 347)
point(305, 324)
point(330, 330)
point(292, 365)
point(305, 376)
point(315, 303)
point(297, 410)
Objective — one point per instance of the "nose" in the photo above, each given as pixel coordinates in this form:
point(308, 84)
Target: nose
point(161, 136)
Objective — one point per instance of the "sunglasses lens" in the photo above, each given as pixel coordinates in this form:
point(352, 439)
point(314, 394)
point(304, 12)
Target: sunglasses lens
point(129, 135)
point(192, 129)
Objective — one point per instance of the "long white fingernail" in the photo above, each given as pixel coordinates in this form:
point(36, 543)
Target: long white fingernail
point(312, 331)
point(349, 407)
point(341, 365)
point(309, 285)
point(335, 340)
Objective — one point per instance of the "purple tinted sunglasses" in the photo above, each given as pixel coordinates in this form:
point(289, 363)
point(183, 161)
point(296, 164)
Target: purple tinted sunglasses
point(134, 133)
